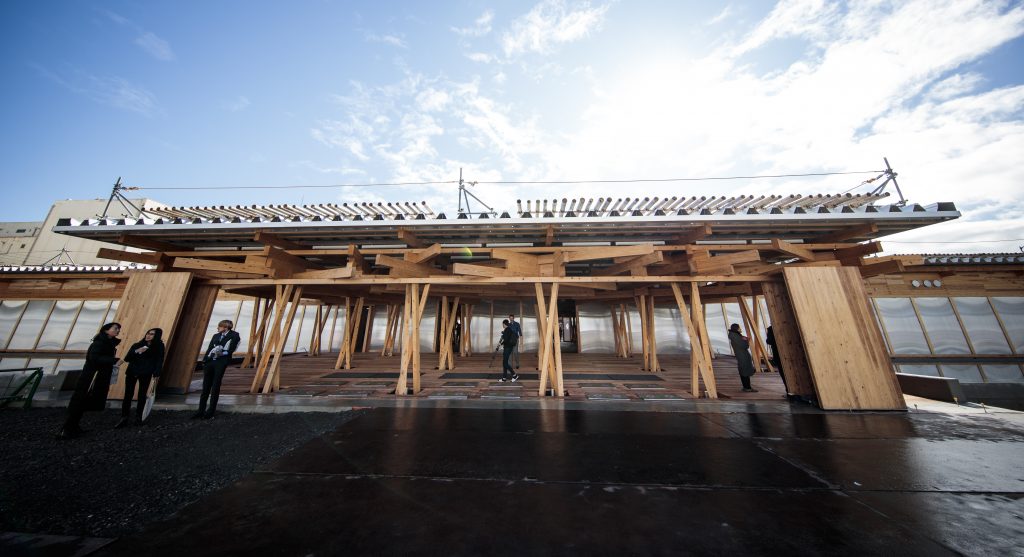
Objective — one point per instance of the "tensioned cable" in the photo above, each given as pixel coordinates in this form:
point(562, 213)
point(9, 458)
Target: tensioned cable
point(514, 182)
point(292, 187)
point(702, 179)
point(949, 242)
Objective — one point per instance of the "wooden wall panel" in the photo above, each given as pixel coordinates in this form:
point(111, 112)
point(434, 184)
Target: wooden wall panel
point(150, 300)
point(787, 338)
point(846, 355)
point(189, 338)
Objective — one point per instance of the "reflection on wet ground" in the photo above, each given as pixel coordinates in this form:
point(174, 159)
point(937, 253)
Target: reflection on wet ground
point(459, 481)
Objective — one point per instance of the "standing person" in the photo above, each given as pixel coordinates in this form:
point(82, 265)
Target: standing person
point(776, 360)
point(94, 382)
point(218, 356)
point(509, 340)
point(519, 335)
point(741, 347)
point(145, 361)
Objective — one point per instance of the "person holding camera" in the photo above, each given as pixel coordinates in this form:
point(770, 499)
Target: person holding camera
point(145, 361)
point(218, 356)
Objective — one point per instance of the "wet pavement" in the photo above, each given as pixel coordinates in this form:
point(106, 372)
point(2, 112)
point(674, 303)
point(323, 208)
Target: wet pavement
point(461, 481)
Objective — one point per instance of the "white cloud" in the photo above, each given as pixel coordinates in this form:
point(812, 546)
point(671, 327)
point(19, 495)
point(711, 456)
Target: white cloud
point(146, 40)
point(550, 23)
point(481, 57)
point(480, 27)
point(873, 80)
point(721, 16)
point(238, 104)
point(392, 40)
point(116, 92)
point(155, 46)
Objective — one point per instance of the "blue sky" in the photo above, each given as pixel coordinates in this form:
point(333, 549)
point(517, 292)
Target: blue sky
point(249, 93)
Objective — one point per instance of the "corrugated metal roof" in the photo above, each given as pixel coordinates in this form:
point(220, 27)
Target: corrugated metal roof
point(974, 259)
point(70, 268)
point(799, 218)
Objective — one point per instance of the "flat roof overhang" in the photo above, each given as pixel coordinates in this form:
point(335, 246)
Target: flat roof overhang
point(737, 227)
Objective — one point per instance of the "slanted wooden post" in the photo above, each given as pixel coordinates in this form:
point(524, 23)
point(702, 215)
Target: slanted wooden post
point(654, 365)
point(760, 352)
point(348, 343)
point(415, 302)
point(551, 349)
point(250, 346)
point(446, 356)
point(699, 364)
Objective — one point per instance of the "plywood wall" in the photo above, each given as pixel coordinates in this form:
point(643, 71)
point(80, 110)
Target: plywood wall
point(188, 338)
point(845, 351)
point(787, 338)
point(150, 300)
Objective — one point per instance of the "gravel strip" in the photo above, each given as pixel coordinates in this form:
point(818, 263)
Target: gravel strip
point(110, 483)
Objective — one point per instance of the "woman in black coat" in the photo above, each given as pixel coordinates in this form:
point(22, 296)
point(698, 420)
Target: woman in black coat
point(100, 360)
point(741, 347)
point(145, 361)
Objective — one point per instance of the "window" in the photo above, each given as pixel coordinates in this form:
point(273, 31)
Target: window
point(901, 325)
point(982, 327)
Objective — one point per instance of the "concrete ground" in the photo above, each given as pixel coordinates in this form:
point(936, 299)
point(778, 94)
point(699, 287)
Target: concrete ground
point(713, 480)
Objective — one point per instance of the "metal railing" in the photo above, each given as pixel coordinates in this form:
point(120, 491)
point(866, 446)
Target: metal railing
point(25, 390)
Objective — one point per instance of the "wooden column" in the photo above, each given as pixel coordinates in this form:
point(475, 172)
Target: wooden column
point(846, 354)
point(250, 347)
point(348, 342)
point(189, 338)
point(446, 356)
point(760, 350)
point(704, 341)
point(415, 302)
point(699, 364)
point(551, 352)
point(792, 357)
point(150, 300)
point(270, 360)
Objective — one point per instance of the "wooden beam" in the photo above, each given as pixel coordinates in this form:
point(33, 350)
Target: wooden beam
point(630, 265)
point(848, 233)
point(212, 265)
point(851, 255)
point(423, 255)
point(893, 266)
point(409, 238)
point(147, 258)
point(481, 270)
point(609, 252)
point(692, 235)
point(403, 268)
point(792, 249)
point(270, 239)
point(147, 243)
point(335, 273)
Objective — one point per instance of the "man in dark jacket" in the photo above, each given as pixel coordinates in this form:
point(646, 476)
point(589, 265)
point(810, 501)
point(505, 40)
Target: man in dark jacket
point(518, 330)
point(509, 340)
point(218, 356)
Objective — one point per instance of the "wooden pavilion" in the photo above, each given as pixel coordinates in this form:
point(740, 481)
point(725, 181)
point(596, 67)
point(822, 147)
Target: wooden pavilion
point(808, 256)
